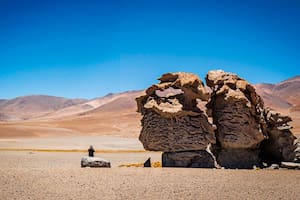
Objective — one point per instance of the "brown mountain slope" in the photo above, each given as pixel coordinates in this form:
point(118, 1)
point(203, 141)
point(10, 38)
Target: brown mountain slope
point(36, 105)
point(283, 97)
point(110, 115)
point(2, 101)
point(272, 100)
point(287, 92)
point(123, 102)
point(117, 117)
point(94, 104)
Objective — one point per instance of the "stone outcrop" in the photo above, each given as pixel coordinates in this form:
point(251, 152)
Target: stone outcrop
point(281, 144)
point(237, 111)
point(171, 119)
point(246, 133)
point(184, 133)
point(88, 161)
point(172, 122)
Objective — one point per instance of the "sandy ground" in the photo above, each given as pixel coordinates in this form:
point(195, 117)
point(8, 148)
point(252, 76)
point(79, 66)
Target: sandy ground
point(75, 142)
point(40, 175)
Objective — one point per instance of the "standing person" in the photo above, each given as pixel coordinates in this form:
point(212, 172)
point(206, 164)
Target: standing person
point(91, 151)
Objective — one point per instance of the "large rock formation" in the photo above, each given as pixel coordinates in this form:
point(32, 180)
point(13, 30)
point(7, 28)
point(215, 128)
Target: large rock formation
point(171, 119)
point(281, 144)
point(172, 122)
point(247, 134)
point(237, 111)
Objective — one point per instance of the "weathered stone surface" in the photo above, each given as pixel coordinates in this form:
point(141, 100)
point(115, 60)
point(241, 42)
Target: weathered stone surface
point(238, 158)
point(236, 110)
point(183, 88)
point(281, 145)
point(175, 134)
point(247, 134)
point(87, 161)
point(290, 165)
point(171, 119)
point(192, 159)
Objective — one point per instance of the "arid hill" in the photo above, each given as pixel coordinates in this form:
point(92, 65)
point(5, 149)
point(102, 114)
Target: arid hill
point(113, 114)
point(27, 107)
point(283, 97)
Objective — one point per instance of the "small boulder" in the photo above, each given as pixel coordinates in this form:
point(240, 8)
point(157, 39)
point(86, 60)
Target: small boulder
point(147, 163)
point(87, 161)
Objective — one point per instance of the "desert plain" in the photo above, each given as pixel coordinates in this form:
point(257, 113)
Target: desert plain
point(42, 140)
point(49, 168)
point(58, 175)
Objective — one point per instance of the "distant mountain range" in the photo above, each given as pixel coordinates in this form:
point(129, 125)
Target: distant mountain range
point(283, 97)
point(22, 108)
point(113, 114)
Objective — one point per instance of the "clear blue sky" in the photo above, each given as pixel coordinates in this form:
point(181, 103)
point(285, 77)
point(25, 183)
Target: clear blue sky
point(89, 48)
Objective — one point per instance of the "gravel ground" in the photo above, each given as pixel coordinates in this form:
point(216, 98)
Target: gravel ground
point(39, 175)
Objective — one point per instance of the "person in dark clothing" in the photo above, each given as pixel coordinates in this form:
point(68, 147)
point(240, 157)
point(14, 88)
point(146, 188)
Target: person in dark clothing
point(91, 151)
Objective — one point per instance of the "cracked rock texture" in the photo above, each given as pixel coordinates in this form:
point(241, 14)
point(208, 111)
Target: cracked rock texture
point(281, 145)
point(172, 122)
point(237, 111)
point(244, 134)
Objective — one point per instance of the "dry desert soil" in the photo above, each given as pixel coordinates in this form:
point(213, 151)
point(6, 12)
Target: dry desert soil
point(56, 175)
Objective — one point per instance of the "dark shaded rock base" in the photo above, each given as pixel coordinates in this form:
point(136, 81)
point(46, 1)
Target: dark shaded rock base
point(238, 158)
point(192, 159)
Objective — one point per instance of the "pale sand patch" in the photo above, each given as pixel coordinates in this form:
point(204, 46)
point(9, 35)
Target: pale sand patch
point(25, 175)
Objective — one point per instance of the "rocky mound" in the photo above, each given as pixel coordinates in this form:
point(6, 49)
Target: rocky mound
point(246, 134)
point(171, 119)
point(172, 122)
point(237, 111)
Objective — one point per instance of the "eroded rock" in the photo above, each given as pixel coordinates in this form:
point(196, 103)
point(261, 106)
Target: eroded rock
point(172, 121)
point(247, 134)
point(175, 134)
point(281, 144)
point(237, 111)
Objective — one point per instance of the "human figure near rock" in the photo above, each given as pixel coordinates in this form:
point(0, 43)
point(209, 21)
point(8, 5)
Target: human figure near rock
point(91, 151)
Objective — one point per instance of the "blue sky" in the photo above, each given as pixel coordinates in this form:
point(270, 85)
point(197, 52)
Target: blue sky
point(87, 49)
